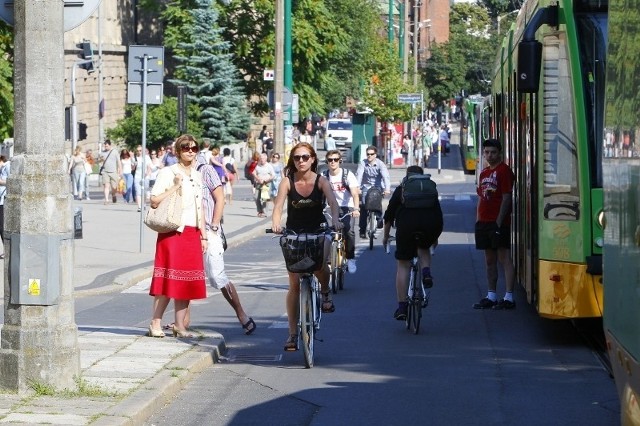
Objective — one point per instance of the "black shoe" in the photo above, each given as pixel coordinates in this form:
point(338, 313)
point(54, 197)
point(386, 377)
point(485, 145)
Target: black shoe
point(380, 223)
point(485, 303)
point(113, 198)
point(363, 235)
point(504, 304)
point(427, 281)
point(400, 314)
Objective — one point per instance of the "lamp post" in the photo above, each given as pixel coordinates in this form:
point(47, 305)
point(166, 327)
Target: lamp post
point(416, 28)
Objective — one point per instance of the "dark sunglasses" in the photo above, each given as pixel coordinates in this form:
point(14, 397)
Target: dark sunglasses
point(371, 153)
point(333, 160)
point(303, 157)
point(187, 148)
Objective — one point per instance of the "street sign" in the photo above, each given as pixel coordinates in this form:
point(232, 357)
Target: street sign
point(268, 75)
point(410, 98)
point(155, 63)
point(287, 98)
point(153, 93)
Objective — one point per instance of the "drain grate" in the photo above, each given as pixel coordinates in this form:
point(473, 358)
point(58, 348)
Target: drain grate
point(255, 358)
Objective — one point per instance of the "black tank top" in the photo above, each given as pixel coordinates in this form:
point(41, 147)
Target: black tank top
point(304, 214)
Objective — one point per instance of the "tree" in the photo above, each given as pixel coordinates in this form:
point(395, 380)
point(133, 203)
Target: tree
point(384, 84)
point(6, 81)
point(161, 124)
point(205, 67)
point(465, 62)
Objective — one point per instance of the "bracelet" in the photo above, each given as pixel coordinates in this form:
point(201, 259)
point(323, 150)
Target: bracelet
point(204, 239)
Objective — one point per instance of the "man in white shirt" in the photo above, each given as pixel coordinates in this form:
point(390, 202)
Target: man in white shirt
point(347, 192)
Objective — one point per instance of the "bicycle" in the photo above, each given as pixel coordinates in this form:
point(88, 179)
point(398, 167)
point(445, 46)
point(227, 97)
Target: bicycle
point(302, 253)
point(373, 205)
point(337, 257)
point(417, 295)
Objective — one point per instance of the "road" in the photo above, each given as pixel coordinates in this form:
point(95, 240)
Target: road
point(465, 366)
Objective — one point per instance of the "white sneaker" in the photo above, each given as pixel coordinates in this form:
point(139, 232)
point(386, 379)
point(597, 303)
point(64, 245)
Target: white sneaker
point(351, 266)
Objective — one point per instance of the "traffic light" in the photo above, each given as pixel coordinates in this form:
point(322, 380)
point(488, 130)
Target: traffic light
point(86, 54)
point(82, 131)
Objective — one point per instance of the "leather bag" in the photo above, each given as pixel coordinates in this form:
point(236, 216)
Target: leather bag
point(167, 217)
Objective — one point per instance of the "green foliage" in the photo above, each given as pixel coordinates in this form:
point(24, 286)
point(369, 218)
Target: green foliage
point(6, 81)
point(465, 62)
point(384, 84)
point(161, 124)
point(206, 68)
point(332, 41)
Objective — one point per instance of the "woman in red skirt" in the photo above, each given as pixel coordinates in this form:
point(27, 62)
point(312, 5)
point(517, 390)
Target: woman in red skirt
point(178, 270)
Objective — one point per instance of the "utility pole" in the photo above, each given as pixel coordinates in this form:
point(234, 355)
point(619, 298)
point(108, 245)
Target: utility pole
point(405, 41)
point(401, 35)
point(416, 29)
point(39, 336)
point(278, 80)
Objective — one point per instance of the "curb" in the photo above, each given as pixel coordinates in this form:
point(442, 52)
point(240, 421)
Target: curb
point(156, 392)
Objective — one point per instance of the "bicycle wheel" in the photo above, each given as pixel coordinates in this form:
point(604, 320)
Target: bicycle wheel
point(341, 278)
point(372, 229)
point(307, 330)
point(415, 301)
point(335, 266)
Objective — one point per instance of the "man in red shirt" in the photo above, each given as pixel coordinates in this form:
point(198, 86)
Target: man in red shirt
point(493, 224)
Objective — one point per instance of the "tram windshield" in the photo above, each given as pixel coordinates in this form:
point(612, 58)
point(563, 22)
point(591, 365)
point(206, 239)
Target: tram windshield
point(592, 33)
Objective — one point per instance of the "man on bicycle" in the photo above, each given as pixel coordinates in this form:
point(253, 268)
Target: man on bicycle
point(345, 188)
point(418, 226)
point(372, 172)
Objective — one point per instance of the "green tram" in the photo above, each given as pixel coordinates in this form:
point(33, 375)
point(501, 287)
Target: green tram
point(621, 169)
point(474, 128)
point(548, 98)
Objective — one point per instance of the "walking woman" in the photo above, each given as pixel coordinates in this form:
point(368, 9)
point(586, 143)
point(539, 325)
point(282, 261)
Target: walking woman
point(78, 173)
point(304, 191)
point(178, 270)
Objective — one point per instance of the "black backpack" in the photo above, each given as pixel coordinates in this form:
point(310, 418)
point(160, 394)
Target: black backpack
point(419, 192)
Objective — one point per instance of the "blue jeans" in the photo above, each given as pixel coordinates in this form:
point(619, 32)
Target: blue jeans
point(128, 186)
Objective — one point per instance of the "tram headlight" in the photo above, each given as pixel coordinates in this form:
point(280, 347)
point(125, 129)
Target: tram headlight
point(601, 219)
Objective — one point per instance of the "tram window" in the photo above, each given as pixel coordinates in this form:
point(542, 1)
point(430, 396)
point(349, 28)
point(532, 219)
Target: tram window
point(559, 154)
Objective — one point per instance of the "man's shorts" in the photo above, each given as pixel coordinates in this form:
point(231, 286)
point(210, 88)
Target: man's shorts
point(110, 177)
point(214, 262)
point(486, 237)
point(416, 229)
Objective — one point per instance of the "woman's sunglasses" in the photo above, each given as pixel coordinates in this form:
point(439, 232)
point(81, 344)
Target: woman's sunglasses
point(186, 148)
point(303, 157)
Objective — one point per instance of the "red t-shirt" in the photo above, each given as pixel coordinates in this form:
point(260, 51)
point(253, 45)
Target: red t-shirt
point(494, 183)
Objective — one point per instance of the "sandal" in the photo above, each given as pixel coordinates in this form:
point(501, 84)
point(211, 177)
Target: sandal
point(291, 344)
point(248, 324)
point(327, 303)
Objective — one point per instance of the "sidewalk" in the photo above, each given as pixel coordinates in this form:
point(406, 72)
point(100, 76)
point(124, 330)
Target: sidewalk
point(127, 376)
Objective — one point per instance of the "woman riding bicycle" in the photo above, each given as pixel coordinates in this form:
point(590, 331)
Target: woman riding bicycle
point(305, 192)
point(417, 229)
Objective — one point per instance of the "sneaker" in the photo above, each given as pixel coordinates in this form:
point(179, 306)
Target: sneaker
point(363, 235)
point(485, 303)
point(504, 304)
point(380, 223)
point(427, 281)
point(400, 314)
point(351, 266)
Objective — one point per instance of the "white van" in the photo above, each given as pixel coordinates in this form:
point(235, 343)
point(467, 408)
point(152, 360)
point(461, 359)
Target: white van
point(340, 130)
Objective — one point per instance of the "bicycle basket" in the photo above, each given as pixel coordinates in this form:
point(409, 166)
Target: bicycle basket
point(303, 252)
point(373, 199)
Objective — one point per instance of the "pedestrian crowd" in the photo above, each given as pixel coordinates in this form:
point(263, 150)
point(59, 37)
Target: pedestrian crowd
point(189, 257)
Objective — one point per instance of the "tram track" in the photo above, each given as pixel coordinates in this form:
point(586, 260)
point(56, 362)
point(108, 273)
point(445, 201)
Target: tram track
point(591, 332)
